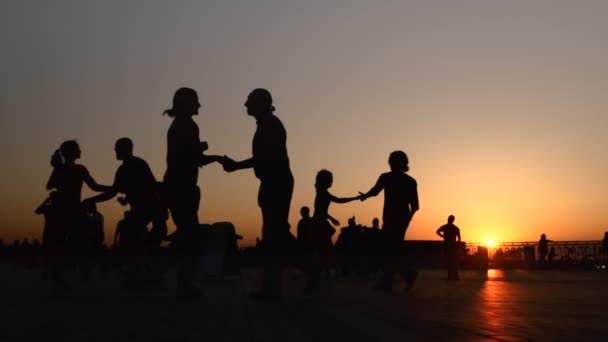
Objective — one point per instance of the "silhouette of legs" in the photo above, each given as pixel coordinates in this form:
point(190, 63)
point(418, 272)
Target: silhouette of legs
point(183, 204)
point(274, 199)
point(394, 262)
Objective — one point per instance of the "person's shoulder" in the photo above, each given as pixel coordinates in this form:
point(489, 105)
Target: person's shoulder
point(80, 168)
point(140, 162)
point(386, 175)
point(410, 179)
point(274, 121)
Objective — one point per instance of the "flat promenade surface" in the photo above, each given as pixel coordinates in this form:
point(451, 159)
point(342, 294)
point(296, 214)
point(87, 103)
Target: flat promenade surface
point(483, 306)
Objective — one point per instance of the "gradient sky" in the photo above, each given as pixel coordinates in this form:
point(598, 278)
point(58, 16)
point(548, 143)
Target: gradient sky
point(500, 105)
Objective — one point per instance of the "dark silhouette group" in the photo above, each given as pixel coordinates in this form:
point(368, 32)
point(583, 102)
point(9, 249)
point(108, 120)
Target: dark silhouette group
point(150, 203)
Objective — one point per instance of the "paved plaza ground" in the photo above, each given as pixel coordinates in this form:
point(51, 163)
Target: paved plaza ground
point(483, 306)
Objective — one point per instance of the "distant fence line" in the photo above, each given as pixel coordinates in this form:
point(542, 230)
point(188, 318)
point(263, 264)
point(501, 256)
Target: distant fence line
point(562, 254)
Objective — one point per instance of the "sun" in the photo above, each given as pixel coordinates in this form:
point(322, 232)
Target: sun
point(490, 243)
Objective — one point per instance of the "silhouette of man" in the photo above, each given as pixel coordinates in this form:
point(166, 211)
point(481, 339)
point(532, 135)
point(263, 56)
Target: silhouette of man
point(304, 226)
point(543, 248)
point(400, 205)
point(134, 179)
point(270, 164)
point(451, 235)
point(121, 227)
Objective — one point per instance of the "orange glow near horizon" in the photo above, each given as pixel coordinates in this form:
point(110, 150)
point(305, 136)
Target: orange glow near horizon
point(490, 243)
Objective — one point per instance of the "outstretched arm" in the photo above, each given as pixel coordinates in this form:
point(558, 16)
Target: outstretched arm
point(333, 220)
point(206, 160)
point(107, 195)
point(231, 165)
point(95, 186)
point(343, 199)
point(374, 191)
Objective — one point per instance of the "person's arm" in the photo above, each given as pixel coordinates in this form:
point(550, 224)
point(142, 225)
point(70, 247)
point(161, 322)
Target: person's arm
point(104, 196)
point(117, 233)
point(343, 199)
point(440, 232)
point(414, 206)
point(231, 165)
point(458, 236)
point(206, 160)
point(374, 191)
point(94, 185)
point(333, 220)
point(52, 182)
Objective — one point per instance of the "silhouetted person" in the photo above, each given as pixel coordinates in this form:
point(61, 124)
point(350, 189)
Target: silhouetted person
point(304, 227)
point(400, 205)
point(551, 256)
point(271, 166)
point(91, 239)
point(51, 220)
point(97, 225)
point(451, 237)
point(134, 179)
point(322, 229)
point(121, 228)
point(543, 248)
point(375, 224)
point(184, 157)
point(67, 179)
point(347, 246)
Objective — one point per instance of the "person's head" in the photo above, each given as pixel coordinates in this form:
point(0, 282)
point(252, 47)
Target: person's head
point(123, 148)
point(70, 150)
point(543, 236)
point(398, 161)
point(259, 102)
point(352, 222)
point(451, 219)
point(305, 211)
point(375, 222)
point(185, 103)
point(324, 179)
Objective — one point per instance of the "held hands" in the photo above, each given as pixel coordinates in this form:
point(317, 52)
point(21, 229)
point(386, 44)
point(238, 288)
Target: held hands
point(362, 196)
point(228, 164)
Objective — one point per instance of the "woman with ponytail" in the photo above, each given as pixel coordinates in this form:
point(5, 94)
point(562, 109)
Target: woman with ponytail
point(67, 179)
point(184, 157)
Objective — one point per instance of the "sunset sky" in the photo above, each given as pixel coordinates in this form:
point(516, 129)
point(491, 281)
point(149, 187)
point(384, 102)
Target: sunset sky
point(501, 106)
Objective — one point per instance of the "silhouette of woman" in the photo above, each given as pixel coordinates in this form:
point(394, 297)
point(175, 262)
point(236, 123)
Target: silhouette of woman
point(184, 157)
point(67, 179)
point(270, 164)
point(322, 227)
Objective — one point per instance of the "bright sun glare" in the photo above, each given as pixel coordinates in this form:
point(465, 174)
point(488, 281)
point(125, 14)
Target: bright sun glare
point(490, 243)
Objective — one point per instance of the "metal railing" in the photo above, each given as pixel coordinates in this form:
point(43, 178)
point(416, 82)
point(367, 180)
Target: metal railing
point(561, 254)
